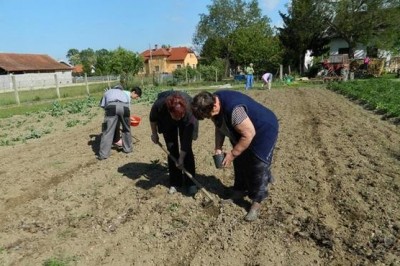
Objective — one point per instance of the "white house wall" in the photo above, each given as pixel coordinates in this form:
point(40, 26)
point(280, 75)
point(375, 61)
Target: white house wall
point(35, 80)
point(360, 51)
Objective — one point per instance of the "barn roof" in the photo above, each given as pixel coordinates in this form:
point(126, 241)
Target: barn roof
point(29, 62)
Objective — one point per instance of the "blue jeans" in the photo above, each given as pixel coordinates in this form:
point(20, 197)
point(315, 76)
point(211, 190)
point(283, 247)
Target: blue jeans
point(249, 81)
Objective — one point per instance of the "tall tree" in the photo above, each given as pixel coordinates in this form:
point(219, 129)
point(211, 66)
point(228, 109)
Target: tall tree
point(304, 29)
point(103, 59)
point(73, 56)
point(255, 44)
point(370, 22)
point(125, 62)
point(219, 26)
point(88, 59)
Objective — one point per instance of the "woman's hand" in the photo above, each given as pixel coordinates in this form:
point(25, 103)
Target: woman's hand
point(228, 159)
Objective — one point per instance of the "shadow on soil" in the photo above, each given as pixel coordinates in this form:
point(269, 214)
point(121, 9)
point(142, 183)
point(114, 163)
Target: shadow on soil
point(157, 174)
point(95, 142)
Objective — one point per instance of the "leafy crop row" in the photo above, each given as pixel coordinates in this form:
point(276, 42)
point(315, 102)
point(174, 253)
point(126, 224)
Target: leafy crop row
point(80, 111)
point(75, 107)
point(381, 95)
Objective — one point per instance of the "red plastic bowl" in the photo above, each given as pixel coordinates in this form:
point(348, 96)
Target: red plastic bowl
point(135, 120)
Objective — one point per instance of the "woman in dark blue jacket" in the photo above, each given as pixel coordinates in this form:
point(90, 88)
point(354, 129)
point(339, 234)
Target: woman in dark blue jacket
point(252, 130)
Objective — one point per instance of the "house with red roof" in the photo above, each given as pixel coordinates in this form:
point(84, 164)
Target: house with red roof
point(165, 60)
point(32, 71)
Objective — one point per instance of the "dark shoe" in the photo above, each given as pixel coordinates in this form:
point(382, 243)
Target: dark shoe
point(192, 190)
point(253, 213)
point(236, 195)
point(98, 157)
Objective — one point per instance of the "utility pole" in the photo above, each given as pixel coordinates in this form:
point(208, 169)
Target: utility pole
point(151, 58)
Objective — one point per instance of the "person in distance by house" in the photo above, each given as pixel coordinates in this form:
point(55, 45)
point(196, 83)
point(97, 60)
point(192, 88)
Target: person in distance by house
point(252, 130)
point(171, 116)
point(115, 103)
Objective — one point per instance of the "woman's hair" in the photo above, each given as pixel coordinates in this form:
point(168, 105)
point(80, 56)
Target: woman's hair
point(202, 105)
point(176, 104)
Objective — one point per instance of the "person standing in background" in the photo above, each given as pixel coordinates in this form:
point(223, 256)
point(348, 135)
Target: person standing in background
point(366, 63)
point(249, 76)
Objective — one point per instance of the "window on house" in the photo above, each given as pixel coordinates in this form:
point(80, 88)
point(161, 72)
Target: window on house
point(372, 51)
point(157, 68)
point(178, 66)
point(343, 50)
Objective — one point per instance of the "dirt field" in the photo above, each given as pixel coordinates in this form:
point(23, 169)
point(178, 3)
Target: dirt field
point(335, 200)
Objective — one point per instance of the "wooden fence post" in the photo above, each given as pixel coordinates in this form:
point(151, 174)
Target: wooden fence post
point(281, 72)
point(57, 85)
point(87, 85)
point(14, 85)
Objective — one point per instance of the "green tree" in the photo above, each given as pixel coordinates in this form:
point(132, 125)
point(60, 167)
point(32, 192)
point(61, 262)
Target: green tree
point(225, 19)
point(212, 72)
point(88, 59)
point(103, 59)
point(369, 22)
point(184, 74)
point(256, 44)
point(125, 63)
point(304, 28)
point(73, 56)
point(212, 49)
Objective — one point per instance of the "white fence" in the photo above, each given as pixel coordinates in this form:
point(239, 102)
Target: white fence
point(34, 81)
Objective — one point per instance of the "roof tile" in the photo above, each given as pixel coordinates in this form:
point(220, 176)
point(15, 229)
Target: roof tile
point(29, 62)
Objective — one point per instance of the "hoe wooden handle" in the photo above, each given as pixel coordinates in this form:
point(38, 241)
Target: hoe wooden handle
point(187, 173)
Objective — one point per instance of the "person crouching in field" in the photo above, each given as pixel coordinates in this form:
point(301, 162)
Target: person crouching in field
point(267, 80)
point(252, 130)
point(171, 115)
point(116, 111)
point(133, 94)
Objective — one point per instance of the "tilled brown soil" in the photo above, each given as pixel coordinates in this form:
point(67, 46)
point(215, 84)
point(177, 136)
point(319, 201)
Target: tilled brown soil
point(335, 200)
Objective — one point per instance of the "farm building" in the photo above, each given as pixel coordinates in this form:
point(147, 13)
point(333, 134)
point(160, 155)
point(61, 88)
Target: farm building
point(31, 71)
point(166, 59)
point(380, 59)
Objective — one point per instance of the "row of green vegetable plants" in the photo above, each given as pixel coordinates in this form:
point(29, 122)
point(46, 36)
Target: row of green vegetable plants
point(380, 95)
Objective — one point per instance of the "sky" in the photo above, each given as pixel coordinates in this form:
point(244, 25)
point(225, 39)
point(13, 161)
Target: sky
point(53, 27)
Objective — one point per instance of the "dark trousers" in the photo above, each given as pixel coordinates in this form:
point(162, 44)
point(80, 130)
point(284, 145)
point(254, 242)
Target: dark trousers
point(176, 177)
point(252, 175)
